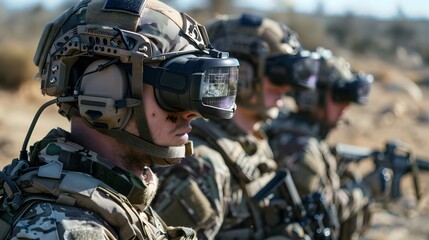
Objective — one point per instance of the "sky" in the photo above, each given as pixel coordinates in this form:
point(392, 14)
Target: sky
point(379, 8)
point(17, 4)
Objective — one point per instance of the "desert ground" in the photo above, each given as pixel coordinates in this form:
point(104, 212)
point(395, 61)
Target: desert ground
point(394, 113)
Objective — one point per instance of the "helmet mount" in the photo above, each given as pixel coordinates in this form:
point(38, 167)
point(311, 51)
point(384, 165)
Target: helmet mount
point(112, 35)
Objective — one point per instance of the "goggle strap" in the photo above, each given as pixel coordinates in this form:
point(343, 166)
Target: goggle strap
point(149, 75)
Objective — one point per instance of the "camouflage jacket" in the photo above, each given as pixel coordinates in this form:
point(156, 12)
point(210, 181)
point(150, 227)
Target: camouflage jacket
point(211, 189)
point(297, 145)
point(62, 200)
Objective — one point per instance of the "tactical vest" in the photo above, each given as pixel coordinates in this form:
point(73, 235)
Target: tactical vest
point(284, 135)
point(251, 166)
point(77, 181)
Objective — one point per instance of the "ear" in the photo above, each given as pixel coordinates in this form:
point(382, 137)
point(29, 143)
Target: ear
point(102, 95)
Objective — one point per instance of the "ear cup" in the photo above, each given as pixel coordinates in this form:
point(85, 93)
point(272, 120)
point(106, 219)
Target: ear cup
point(102, 95)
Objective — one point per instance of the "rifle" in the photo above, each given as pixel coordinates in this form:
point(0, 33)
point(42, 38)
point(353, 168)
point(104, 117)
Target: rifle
point(311, 213)
point(396, 156)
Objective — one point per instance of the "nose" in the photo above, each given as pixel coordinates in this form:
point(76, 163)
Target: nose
point(188, 115)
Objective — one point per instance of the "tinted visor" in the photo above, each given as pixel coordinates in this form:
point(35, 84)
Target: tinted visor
point(298, 71)
point(356, 90)
point(220, 87)
point(196, 82)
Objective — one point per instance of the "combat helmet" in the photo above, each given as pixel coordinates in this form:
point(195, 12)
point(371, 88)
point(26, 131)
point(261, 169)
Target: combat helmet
point(265, 48)
point(336, 76)
point(96, 56)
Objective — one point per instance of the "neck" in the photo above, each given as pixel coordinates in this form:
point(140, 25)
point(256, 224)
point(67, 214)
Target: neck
point(324, 125)
point(105, 146)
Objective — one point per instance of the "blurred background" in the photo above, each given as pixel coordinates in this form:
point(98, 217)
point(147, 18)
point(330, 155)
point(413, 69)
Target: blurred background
point(387, 38)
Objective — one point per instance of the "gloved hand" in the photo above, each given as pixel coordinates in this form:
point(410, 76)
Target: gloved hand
point(379, 183)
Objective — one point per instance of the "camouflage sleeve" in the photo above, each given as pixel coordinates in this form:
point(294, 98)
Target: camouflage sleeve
point(315, 170)
point(347, 192)
point(305, 163)
point(354, 209)
point(350, 199)
point(52, 221)
point(194, 193)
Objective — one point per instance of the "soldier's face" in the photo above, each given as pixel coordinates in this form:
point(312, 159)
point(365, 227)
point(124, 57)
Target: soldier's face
point(334, 111)
point(166, 128)
point(273, 93)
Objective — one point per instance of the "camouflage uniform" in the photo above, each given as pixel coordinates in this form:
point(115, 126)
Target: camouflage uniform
point(211, 192)
point(298, 147)
point(70, 192)
point(81, 206)
point(298, 143)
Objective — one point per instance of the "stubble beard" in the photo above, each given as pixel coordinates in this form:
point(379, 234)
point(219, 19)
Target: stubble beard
point(140, 162)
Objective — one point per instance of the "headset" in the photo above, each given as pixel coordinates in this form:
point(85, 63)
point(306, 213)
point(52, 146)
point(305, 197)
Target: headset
point(202, 80)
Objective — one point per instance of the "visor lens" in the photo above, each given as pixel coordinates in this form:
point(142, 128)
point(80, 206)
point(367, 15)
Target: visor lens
point(299, 71)
point(354, 91)
point(305, 72)
point(199, 83)
point(220, 87)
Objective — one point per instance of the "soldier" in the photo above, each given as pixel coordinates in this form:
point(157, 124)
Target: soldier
point(130, 77)
point(298, 141)
point(211, 191)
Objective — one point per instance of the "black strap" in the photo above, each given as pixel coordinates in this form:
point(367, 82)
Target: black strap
point(127, 184)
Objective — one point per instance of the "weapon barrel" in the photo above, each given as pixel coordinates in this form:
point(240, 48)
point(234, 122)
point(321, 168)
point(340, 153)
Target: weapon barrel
point(422, 164)
point(351, 153)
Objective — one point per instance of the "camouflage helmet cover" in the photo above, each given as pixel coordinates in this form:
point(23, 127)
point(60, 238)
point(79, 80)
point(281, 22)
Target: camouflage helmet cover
point(332, 68)
point(127, 32)
point(335, 76)
point(251, 39)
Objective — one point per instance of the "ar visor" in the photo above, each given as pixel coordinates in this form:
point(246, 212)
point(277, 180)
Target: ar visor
point(196, 82)
point(356, 90)
point(295, 70)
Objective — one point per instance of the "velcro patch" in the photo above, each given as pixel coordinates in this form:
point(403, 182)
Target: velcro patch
point(131, 6)
point(86, 233)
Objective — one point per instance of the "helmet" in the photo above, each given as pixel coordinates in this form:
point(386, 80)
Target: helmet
point(96, 56)
point(265, 48)
point(334, 76)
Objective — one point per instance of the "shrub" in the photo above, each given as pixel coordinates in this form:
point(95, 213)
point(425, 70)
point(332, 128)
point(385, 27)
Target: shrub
point(15, 65)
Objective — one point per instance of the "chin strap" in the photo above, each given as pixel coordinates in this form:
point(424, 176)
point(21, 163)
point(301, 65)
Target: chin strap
point(151, 149)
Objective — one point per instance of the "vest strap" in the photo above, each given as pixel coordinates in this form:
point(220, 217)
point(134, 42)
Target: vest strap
point(201, 128)
point(127, 184)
